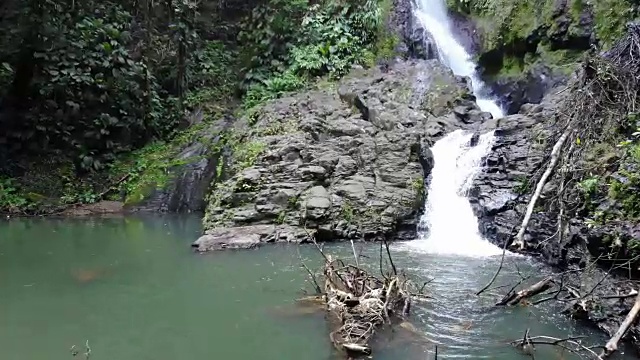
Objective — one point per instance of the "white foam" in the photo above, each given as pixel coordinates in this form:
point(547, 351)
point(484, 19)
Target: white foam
point(450, 227)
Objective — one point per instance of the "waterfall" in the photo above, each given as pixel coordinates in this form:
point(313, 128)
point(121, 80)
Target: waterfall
point(432, 15)
point(448, 225)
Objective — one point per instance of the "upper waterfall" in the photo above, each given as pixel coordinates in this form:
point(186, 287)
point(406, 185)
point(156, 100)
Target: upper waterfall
point(432, 15)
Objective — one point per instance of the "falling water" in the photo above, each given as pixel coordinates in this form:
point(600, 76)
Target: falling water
point(448, 224)
point(432, 15)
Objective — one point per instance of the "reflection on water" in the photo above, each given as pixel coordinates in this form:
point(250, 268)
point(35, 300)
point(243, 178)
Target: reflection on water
point(133, 287)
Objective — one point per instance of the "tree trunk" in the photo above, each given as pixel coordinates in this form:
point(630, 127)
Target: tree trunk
point(555, 155)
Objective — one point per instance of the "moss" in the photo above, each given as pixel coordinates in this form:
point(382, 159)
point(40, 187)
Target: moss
point(626, 194)
point(610, 18)
point(385, 48)
point(522, 187)
point(347, 212)
point(293, 202)
point(386, 40)
point(562, 60)
point(520, 32)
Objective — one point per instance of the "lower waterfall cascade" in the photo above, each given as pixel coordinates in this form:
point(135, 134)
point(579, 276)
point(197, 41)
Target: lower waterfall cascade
point(448, 225)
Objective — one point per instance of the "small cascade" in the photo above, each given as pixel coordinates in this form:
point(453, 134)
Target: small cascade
point(448, 225)
point(432, 15)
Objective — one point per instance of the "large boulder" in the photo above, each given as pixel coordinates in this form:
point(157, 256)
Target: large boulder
point(342, 162)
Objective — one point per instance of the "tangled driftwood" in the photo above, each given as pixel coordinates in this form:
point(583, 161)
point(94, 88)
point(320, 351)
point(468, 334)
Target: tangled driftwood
point(358, 303)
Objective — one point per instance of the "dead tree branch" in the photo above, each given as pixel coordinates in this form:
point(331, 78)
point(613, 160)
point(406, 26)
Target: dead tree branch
point(612, 344)
point(514, 298)
point(555, 155)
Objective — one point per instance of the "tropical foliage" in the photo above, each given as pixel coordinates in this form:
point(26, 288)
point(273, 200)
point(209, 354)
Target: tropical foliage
point(83, 84)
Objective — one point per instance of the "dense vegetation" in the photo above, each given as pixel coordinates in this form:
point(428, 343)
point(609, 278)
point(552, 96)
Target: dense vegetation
point(96, 95)
point(522, 34)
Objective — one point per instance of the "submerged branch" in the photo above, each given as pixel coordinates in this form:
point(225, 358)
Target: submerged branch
point(514, 298)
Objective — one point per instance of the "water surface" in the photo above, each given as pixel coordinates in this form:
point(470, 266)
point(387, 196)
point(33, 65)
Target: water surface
point(134, 289)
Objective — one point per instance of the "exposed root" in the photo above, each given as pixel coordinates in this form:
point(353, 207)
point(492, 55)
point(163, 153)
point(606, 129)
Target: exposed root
point(359, 303)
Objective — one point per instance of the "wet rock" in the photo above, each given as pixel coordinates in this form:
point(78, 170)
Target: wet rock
point(498, 192)
point(421, 44)
point(522, 64)
point(499, 197)
point(188, 183)
point(527, 88)
point(99, 208)
point(246, 237)
point(466, 32)
point(426, 156)
point(414, 43)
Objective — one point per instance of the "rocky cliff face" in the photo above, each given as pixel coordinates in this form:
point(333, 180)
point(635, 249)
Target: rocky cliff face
point(185, 185)
point(344, 162)
point(525, 48)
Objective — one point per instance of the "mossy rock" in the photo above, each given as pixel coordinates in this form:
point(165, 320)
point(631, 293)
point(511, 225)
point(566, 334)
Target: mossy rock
point(518, 38)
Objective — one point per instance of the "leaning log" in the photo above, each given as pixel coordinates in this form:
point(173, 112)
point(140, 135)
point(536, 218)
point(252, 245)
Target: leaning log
point(514, 298)
point(612, 344)
point(555, 155)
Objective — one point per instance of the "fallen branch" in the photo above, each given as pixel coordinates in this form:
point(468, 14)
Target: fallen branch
point(555, 155)
point(311, 275)
point(631, 293)
point(386, 245)
point(495, 276)
point(612, 344)
point(570, 344)
point(513, 298)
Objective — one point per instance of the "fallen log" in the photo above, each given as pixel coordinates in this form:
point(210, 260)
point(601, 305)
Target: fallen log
point(514, 298)
point(612, 345)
